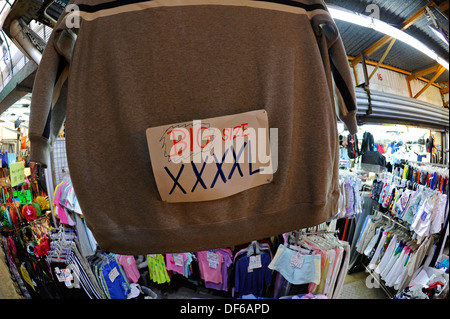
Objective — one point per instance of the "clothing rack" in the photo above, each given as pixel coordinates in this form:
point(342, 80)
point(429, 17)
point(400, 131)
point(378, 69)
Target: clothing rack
point(315, 232)
point(390, 292)
point(390, 218)
point(430, 164)
point(379, 282)
point(321, 232)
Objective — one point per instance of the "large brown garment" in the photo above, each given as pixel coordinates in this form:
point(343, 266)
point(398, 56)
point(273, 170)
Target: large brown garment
point(134, 65)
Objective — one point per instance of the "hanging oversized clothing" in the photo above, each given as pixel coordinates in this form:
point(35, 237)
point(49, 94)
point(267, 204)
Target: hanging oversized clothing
point(175, 61)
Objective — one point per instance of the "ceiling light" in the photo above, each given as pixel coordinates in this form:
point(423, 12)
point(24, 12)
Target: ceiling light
point(439, 34)
point(380, 26)
point(435, 26)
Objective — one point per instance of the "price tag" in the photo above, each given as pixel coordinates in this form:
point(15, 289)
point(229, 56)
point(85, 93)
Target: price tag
point(255, 262)
point(63, 274)
point(178, 259)
point(113, 274)
point(213, 259)
point(129, 260)
point(297, 261)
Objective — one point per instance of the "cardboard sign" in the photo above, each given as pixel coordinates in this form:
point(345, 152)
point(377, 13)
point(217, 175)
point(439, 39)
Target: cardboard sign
point(211, 158)
point(17, 175)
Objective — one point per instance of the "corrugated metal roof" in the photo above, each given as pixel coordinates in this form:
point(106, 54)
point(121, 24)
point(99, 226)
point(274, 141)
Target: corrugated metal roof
point(357, 39)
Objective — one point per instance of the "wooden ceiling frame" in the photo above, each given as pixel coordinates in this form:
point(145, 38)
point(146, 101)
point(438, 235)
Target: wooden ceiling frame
point(437, 70)
point(405, 25)
point(391, 68)
point(444, 90)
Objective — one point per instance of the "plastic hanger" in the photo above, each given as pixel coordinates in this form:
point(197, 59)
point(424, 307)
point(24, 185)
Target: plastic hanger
point(253, 249)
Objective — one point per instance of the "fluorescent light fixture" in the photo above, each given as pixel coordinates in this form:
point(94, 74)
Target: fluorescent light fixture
point(380, 26)
point(439, 35)
point(11, 130)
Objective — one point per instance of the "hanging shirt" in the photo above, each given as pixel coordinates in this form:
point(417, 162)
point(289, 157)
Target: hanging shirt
point(129, 266)
point(252, 281)
point(63, 218)
point(439, 217)
point(210, 264)
point(176, 262)
point(157, 269)
point(225, 267)
point(422, 221)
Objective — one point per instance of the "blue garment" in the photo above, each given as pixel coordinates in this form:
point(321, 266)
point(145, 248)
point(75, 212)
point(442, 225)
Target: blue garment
point(300, 274)
point(115, 281)
point(255, 281)
point(12, 158)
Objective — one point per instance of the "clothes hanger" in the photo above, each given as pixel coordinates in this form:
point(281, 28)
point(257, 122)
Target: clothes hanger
point(253, 249)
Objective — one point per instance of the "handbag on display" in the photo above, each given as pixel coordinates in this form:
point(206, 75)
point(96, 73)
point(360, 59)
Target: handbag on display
point(26, 159)
point(4, 159)
point(23, 142)
point(4, 178)
point(11, 158)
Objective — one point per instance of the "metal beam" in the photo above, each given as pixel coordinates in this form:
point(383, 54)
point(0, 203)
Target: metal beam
point(438, 74)
point(444, 90)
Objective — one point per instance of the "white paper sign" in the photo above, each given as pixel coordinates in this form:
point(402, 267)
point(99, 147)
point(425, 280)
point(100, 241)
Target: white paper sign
point(254, 262)
point(178, 259)
point(211, 158)
point(113, 274)
point(213, 259)
point(296, 261)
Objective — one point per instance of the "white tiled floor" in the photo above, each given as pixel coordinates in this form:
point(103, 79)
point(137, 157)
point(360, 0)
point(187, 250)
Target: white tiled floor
point(355, 287)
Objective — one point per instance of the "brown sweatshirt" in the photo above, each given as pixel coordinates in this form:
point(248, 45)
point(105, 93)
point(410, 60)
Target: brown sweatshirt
point(132, 68)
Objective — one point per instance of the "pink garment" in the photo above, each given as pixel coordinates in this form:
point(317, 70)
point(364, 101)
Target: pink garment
point(171, 263)
point(209, 270)
point(323, 258)
point(59, 209)
point(129, 266)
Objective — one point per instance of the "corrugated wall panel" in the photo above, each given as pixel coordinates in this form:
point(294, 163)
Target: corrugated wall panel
point(388, 106)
